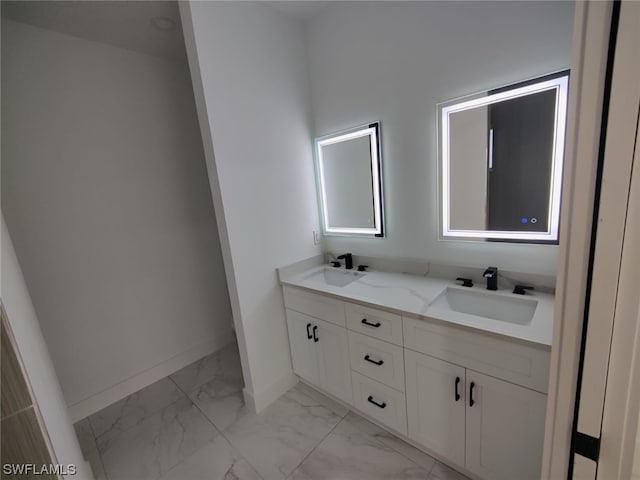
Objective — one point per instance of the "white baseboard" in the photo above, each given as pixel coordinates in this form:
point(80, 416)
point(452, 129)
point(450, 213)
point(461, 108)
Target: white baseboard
point(257, 402)
point(98, 401)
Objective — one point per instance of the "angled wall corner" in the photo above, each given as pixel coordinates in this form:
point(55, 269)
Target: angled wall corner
point(250, 79)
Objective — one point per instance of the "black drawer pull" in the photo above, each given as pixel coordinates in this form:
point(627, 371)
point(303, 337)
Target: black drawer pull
point(379, 405)
point(374, 325)
point(368, 359)
point(471, 401)
point(456, 389)
point(315, 330)
point(309, 337)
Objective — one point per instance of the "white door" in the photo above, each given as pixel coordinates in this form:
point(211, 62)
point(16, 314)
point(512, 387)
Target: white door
point(333, 359)
point(505, 429)
point(303, 350)
point(609, 393)
point(436, 405)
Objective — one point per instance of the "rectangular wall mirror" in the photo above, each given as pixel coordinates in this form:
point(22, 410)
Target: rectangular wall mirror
point(501, 155)
point(349, 172)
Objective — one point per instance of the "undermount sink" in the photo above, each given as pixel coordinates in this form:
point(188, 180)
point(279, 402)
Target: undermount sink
point(334, 277)
point(511, 309)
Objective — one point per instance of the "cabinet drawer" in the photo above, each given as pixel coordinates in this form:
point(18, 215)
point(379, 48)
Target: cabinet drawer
point(376, 323)
point(318, 306)
point(381, 361)
point(384, 404)
point(510, 360)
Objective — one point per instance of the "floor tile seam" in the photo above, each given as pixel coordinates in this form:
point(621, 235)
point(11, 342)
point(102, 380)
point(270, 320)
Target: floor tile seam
point(170, 377)
point(316, 446)
point(149, 414)
point(97, 450)
point(104, 469)
point(184, 395)
point(148, 417)
point(393, 448)
point(222, 432)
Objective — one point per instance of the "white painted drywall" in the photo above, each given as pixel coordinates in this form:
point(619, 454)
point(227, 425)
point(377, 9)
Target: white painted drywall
point(250, 80)
point(394, 61)
point(37, 362)
point(105, 194)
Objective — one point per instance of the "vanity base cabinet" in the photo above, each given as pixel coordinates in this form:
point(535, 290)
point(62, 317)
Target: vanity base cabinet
point(332, 353)
point(505, 429)
point(492, 428)
point(474, 400)
point(320, 354)
point(303, 351)
point(436, 405)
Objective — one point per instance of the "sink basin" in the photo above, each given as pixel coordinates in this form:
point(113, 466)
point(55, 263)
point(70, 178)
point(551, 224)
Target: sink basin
point(334, 277)
point(511, 309)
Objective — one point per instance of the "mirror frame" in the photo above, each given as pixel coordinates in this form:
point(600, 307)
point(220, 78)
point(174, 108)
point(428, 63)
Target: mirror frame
point(557, 81)
point(372, 130)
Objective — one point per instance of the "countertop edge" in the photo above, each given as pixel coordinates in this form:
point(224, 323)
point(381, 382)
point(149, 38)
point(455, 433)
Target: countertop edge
point(532, 336)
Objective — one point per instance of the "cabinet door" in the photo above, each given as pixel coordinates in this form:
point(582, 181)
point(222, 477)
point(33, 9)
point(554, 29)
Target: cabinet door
point(505, 429)
point(333, 360)
point(435, 414)
point(303, 350)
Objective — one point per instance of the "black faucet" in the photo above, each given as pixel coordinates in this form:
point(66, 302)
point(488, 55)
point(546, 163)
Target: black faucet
point(521, 289)
point(348, 260)
point(491, 274)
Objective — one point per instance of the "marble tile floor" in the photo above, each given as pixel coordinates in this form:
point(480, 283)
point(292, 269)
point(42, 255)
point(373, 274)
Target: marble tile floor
point(193, 425)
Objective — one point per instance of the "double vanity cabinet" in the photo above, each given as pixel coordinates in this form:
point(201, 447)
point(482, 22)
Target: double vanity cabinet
point(474, 399)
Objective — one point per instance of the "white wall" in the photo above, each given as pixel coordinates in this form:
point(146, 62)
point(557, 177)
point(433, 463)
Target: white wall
point(37, 362)
point(250, 79)
point(394, 62)
point(105, 194)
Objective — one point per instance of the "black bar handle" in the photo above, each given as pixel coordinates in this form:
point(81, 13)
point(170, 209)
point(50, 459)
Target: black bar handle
point(368, 359)
point(374, 325)
point(471, 401)
point(379, 405)
point(315, 330)
point(309, 337)
point(466, 282)
point(456, 389)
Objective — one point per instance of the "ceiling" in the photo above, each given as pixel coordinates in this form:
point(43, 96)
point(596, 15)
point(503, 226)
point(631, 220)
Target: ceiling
point(125, 24)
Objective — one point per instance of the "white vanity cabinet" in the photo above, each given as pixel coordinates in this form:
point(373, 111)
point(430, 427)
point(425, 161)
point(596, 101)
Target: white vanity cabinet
point(505, 429)
point(473, 398)
point(436, 405)
point(319, 350)
point(490, 426)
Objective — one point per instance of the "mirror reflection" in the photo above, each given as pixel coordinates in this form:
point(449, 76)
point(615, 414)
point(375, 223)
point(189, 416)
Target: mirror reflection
point(501, 162)
point(350, 183)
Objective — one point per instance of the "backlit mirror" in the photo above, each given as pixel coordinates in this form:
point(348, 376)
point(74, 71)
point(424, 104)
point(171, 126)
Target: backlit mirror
point(501, 155)
point(350, 181)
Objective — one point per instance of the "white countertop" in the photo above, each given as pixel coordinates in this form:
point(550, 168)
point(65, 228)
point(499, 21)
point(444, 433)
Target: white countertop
point(413, 294)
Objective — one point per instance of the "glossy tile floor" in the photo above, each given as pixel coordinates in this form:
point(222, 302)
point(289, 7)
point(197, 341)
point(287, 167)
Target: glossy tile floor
point(193, 425)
